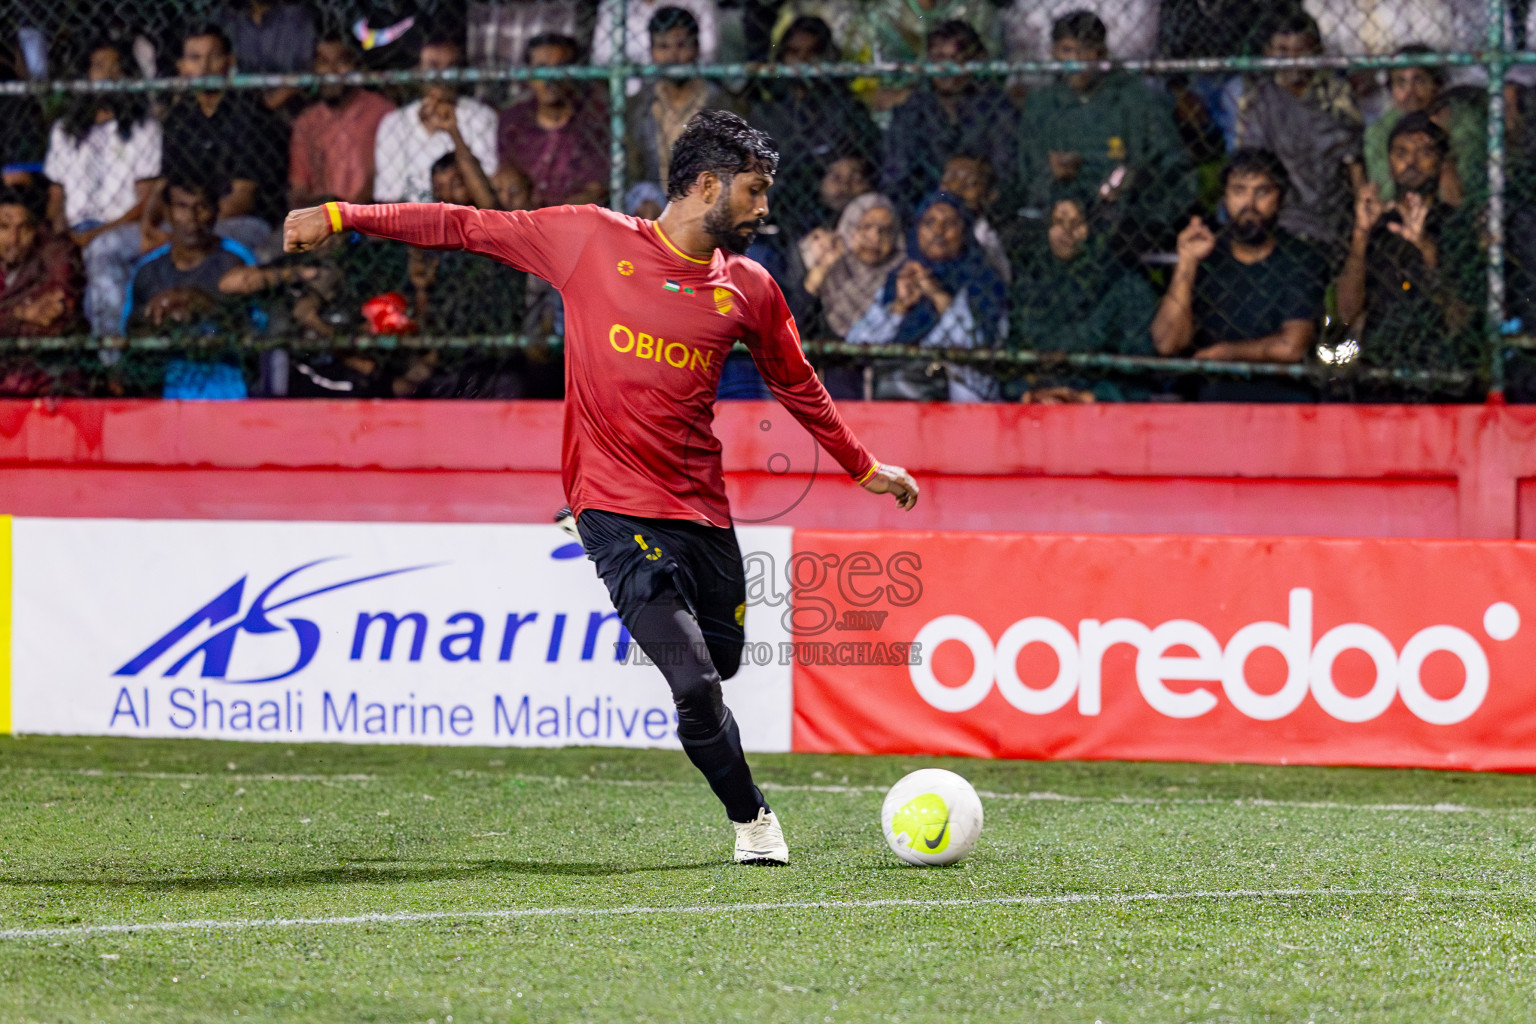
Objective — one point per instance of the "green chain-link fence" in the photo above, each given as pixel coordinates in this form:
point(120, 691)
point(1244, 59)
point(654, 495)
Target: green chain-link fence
point(1033, 200)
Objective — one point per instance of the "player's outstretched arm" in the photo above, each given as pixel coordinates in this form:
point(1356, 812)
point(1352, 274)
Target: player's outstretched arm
point(545, 242)
point(893, 480)
point(424, 225)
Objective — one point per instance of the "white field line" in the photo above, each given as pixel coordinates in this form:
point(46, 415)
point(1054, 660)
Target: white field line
point(99, 773)
point(725, 909)
point(774, 787)
point(1050, 797)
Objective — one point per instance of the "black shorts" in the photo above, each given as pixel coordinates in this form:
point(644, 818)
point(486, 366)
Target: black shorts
point(645, 560)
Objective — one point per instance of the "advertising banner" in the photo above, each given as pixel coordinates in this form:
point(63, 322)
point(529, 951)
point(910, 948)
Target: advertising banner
point(351, 632)
point(1283, 651)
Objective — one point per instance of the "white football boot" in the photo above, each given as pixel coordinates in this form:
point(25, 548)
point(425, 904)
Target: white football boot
point(566, 520)
point(761, 841)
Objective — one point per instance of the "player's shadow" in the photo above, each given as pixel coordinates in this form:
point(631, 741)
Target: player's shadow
point(382, 870)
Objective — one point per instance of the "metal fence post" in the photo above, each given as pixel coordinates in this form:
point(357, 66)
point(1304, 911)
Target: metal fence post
point(1498, 64)
point(616, 80)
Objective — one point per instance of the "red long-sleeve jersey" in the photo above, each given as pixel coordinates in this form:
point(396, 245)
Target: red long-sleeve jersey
point(647, 329)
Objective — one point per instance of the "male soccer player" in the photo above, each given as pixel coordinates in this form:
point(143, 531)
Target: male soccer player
point(652, 309)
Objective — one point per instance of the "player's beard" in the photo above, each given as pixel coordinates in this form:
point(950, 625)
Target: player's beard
point(1254, 230)
point(728, 236)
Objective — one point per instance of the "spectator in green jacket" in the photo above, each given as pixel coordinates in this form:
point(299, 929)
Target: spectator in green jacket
point(1073, 296)
point(1106, 134)
point(1416, 89)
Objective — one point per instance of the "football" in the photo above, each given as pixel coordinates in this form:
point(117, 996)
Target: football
point(931, 817)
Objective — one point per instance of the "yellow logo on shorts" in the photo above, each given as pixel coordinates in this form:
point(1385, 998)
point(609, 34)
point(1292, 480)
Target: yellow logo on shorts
point(723, 300)
point(626, 268)
point(741, 614)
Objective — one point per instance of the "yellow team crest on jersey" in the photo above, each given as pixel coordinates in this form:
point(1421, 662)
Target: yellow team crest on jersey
point(741, 614)
point(724, 301)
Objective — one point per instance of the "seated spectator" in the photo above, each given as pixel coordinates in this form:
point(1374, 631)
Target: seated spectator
point(1253, 293)
point(1413, 283)
point(645, 200)
point(41, 279)
point(852, 272)
point(1104, 134)
point(788, 256)
point(410, 140)
point(946, 115)
point(332, 149)
point(462, 292)
point(1310, 121)
point(458, 177)
point(178, 283)
point(1415, 89)
point(903, 29)
point(660, 111)
point(103, 155)
point(853, 23)
point(513, 189)
point(270, 38)
point(847, 178)
point(226, 137)
point(558, 137)
point(1073, 295)
point(638, 16)
point(970, 178)
point(814, 121)
point(1215, 28)
point(943, 296)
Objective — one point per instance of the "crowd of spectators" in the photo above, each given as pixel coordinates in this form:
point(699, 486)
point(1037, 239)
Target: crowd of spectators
point(1273, 217)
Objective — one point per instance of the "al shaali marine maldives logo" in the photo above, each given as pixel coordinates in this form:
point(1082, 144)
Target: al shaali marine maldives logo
point(217, 650)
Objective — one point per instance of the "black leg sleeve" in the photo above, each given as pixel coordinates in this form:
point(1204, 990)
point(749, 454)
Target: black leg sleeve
point(670, 636)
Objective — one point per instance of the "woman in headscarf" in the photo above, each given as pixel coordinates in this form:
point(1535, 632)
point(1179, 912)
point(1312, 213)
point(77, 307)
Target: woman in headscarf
point(943, 296)
point(1074, 296)
point(854, 269)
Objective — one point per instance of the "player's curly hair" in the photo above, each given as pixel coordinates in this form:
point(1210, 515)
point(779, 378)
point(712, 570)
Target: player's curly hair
point(718, 141)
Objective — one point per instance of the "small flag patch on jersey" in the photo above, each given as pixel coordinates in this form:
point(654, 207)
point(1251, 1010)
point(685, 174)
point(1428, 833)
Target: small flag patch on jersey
point(673, 286)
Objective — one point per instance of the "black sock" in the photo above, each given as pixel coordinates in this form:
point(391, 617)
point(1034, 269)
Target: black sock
point(724, 765)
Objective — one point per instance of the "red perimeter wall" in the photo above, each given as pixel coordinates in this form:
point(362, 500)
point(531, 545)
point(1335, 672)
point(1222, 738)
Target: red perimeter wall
point(1347, 471)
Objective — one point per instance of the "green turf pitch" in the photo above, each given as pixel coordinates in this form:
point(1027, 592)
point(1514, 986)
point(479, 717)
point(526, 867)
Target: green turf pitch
point(1111, 892)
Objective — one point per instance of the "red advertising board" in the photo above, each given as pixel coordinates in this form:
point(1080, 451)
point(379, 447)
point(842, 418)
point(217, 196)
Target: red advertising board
point(1280, 651)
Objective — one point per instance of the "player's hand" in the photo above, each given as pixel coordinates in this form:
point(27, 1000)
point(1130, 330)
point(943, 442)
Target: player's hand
point(894, 480)
point(304, 229)
point(1196, 242)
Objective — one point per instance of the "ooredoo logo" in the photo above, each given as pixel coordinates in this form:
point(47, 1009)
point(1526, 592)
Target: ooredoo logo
point(1309, 665)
